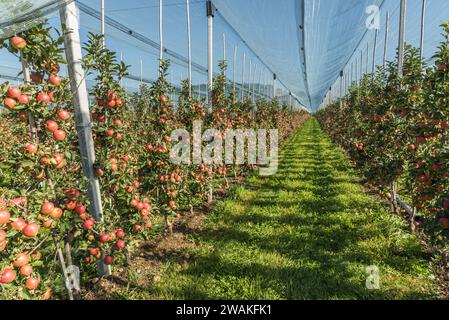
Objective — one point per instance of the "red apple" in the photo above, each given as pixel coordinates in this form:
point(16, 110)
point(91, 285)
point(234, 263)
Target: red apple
point(31, 148)
point(444, 222)
point(63, 115)
point(13, 92)
point(9, 103)
point(59, 135)
point(51, 126)
point(23, 99)
point(21, 260)
point(446, 204)
point(8, 275)
point(43, 97)
point(54, 80)
point(31, 230)
point(26, 270)
point(4, 216)
point(88, 224)
point(47, 207)
point(18, 43)
point(108, 260)
point(32, 283)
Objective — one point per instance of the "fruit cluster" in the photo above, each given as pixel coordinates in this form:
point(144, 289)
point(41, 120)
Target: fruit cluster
point(396, 129)
point(43, 193)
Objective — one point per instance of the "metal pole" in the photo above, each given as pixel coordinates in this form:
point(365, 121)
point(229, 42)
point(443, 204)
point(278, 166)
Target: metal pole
point(141, 71)
point(254, 82)
point(27, 79)
point(341, 84)
point(224, 59)
point(102, 21)
point(401, 46)
point(210, 78)
point(161, 31)
point(387, 26)
point(224, 46)
point(374, 52)
point(243, 76)
point(189, 46)
point(69, 18)
point(274, 85)
point(265, 81)
point(367, 58)
point(249, 78)
point(234, 72)
point(361, 65)
point(352, 72)
point(423, 22)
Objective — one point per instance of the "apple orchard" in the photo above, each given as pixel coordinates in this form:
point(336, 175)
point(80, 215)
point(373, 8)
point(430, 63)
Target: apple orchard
point(44, 204)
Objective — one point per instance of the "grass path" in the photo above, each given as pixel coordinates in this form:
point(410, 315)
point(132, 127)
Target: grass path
point(309, 232)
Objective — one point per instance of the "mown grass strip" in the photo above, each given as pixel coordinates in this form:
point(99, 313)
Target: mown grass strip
point(309, 232)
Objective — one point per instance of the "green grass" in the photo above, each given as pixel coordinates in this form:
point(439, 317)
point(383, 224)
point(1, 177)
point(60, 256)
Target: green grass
point(308, 232)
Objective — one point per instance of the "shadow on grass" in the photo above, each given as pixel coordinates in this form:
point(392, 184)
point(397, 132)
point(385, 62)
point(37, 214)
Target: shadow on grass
point(298, 237)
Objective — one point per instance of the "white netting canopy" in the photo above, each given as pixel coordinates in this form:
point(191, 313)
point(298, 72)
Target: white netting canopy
point(304, 44)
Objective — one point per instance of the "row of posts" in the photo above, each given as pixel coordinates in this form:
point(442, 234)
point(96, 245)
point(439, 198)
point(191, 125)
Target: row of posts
point(356, 70)
point(69, 18)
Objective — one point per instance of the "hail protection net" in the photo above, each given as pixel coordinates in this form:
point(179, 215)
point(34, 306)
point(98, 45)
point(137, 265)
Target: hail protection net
point(19, 15)
point(359, 55)
point(293, 50)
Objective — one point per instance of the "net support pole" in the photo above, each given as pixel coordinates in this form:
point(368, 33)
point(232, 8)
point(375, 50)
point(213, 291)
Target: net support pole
point(341, 87)
point(224, 60)
point(81, 104)
point(361, 65)
point(352, 73)
point(243, 76)
point(102, 21)
point(189, 46)
point(68, 13)
point(210, 46)
point(27, 79)
point(274, 85)
point(141, 71)
point(290, 101)
point(224, 45)
point(234, 65)
point(374, 53)
point(423, 25)
point(387, 26)
point(401, 45)
point(254, 83)
point(367, 58)
point(249, 78)
point(161, 30)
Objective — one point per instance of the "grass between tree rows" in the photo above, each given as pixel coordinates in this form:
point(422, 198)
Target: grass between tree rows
point(308, 232)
